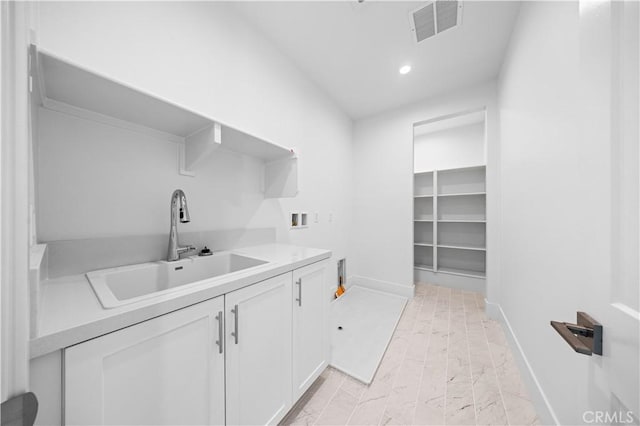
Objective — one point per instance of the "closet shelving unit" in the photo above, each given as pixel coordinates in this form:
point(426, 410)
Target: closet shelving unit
point(450, 221)
point(60, 85)
point(423, 214)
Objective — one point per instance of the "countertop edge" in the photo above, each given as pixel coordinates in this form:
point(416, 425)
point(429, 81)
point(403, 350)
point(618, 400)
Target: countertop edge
point(43, 345)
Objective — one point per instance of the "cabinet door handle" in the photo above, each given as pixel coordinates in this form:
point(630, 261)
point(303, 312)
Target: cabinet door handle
point(234, 333)
point(299, 299)
point(220, 333)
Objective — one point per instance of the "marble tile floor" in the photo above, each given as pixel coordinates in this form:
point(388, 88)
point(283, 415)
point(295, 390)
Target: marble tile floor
point(447, 364)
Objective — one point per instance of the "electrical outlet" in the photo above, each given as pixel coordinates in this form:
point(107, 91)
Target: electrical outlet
point(316, 217)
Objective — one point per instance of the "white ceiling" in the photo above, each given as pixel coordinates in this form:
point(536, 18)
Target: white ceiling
point(353, 50)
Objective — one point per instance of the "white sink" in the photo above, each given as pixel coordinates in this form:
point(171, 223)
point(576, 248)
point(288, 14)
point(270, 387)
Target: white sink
point(128, 284)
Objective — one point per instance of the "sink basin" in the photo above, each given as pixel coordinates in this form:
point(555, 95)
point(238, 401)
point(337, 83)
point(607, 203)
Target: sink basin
point(127, 284)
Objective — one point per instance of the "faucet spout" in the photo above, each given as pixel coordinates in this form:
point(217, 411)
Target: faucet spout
point(179, 210)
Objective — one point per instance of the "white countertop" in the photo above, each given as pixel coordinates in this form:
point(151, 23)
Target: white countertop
point(70, 311)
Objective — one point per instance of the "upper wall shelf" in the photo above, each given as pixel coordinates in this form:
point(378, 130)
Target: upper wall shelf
point(65, 87)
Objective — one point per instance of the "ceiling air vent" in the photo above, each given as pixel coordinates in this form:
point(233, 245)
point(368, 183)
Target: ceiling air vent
point(435, 17)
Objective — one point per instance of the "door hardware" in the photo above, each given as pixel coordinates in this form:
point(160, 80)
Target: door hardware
point(220, 333)
point(234, 333)
point(299, 299)
point(585, 337)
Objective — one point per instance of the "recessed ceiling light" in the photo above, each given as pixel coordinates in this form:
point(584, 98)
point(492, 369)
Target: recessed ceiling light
point(405, 69)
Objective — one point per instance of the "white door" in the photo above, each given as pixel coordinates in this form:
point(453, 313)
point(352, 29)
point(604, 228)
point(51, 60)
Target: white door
point(258, 336)
point(168, 370)
point(310, 338)
point(610, 94)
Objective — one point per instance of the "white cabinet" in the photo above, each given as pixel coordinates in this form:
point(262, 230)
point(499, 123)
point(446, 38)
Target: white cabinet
point(168, 370)
point(310, 337)
point(243, 358)
point(258, 337)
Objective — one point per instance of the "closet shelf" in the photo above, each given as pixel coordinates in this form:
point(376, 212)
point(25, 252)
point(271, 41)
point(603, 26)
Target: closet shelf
point(423, 196)
point(423, 244)
point(423, 267)
point(462, 220)
point(462, 194)
point(423, 220)
point(62, 86)
point(462, 272)
point(462, 247)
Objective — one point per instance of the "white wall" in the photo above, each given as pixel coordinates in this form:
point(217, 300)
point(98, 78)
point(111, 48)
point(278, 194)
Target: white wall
point(556, 201)
point(97, 180)
point(202, 56)
point(382, 248)
point(447, 149)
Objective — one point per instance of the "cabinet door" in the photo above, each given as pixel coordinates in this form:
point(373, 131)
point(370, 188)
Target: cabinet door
point(310, 334)
point(258, 323)
point(168, 370)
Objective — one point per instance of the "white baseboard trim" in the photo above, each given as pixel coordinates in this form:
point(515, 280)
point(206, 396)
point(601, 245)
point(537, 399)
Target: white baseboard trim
point(538, 397)
point(385, 286)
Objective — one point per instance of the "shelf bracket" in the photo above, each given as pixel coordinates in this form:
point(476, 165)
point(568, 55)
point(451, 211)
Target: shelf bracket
point(197, 147)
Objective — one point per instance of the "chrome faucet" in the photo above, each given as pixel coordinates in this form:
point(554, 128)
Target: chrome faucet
point(178, 207)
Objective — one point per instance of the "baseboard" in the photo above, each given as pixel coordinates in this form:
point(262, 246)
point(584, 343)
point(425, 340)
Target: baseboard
point(385, 286)
point(538, 397)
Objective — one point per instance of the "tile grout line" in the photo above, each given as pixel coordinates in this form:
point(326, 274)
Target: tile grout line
point(446, 378)
point(415, 401)
point(315, 422)
point(466, 331)
point(424, 360)
point(404, 358)
point(364, 391)
point(495, 372)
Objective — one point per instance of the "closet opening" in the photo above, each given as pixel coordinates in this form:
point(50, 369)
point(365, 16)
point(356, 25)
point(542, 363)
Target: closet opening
point(449, 201)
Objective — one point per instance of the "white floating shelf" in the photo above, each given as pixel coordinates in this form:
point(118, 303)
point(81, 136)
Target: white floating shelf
point(244, 143)
point(63, 86)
